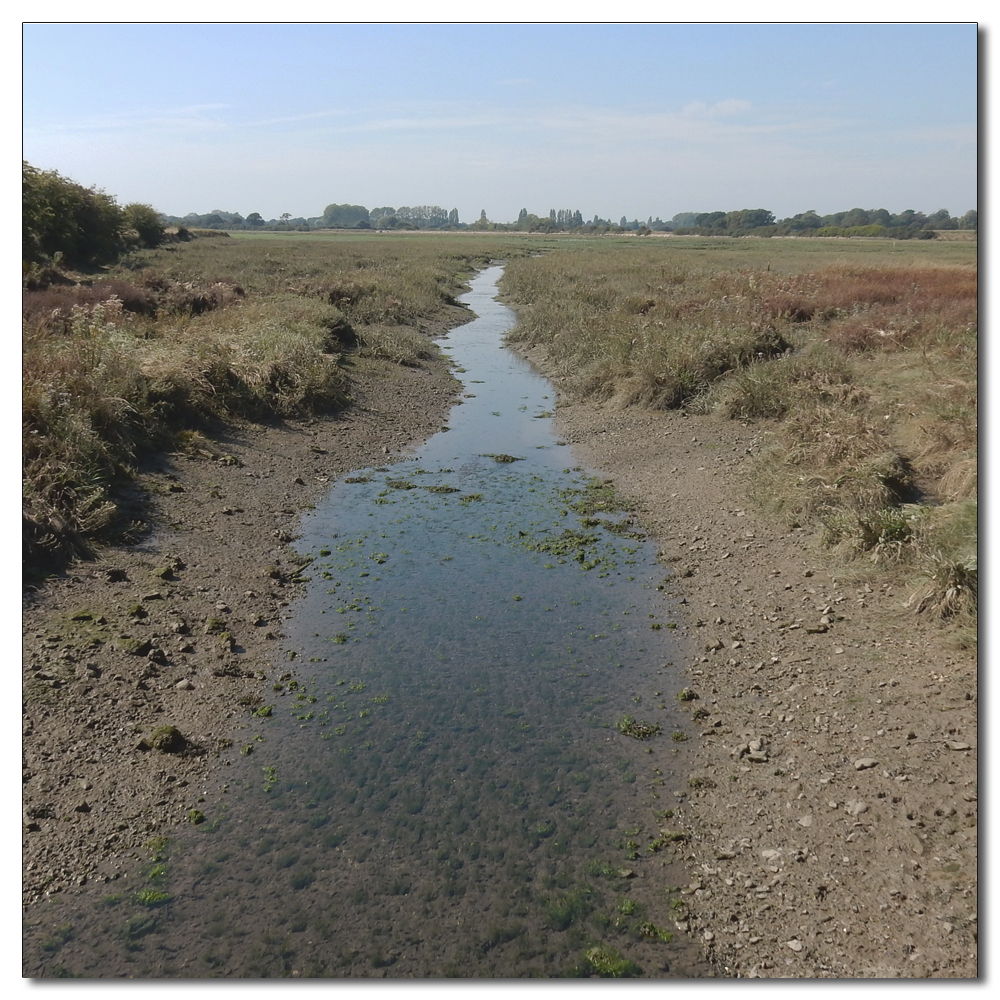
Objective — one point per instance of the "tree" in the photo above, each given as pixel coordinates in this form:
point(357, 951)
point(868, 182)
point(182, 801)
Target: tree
point(285, 216)
point(941, 219)
point(344, 216)
point(710, 219)
point(749, 218)
point(453, 217)
point(60, 216)
point(970, 220)
point(856, 217)
point(254, 219)
point(146, 222)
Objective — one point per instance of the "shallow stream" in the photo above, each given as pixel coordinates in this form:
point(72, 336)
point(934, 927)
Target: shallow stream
point(439, 783)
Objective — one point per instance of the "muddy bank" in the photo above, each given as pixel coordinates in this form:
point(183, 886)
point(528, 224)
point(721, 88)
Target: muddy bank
point(180, 629)
point(831, 802)
point(833, 793)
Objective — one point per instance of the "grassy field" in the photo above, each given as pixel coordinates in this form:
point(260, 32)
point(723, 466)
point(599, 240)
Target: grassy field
point(217, 329)
point(858, 358)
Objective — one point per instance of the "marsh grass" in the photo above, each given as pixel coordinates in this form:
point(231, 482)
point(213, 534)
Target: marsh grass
point(178, 339)
point(858, 363)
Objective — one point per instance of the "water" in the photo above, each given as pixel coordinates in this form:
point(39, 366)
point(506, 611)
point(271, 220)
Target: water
point(438, 786)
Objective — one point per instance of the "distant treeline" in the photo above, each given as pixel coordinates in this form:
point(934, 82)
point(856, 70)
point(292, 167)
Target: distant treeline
point(64, 221)
point(744, 222)
point(333, 217)
point(856, 222)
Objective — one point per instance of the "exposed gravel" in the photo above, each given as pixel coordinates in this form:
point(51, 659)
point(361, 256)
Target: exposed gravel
point(832, 810)
point(180, 629)
point(836, 835)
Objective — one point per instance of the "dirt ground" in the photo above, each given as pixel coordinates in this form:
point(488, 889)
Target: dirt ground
point(832, 803)
point(178, 630)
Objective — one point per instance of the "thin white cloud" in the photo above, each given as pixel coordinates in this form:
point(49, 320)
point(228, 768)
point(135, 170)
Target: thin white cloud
point(196, 116)
point(291, 119)
point(699, 109)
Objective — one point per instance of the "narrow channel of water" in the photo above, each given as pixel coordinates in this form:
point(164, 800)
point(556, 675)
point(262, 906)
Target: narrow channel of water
point(438, 784)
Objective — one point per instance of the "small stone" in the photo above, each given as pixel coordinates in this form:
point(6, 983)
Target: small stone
point(953, 745)
point(794, 944)
point(184, 685)
point(136, 647)
point(82, 807)
point(855, 807)
point(863, 763)
point(805, 821)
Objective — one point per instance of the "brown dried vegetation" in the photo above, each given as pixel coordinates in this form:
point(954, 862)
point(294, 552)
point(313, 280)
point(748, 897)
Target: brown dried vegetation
point(116, 366)
point(862, 376)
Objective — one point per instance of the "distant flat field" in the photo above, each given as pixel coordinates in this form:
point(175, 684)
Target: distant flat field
point(781, 253)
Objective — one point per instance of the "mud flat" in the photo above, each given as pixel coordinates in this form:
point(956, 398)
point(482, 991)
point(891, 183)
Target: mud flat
point(829, 804)
point(833, 808)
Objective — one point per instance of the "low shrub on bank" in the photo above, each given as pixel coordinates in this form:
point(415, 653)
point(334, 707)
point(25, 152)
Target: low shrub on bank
point(179, 338)
point(399, 344)
point(862, 374)
point(102, 387)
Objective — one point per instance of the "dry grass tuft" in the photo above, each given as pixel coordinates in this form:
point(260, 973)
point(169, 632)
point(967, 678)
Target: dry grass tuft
point(174, 343)
point(864, 372)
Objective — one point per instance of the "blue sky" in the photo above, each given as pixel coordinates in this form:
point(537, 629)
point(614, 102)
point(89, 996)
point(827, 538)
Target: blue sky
point(623, 119)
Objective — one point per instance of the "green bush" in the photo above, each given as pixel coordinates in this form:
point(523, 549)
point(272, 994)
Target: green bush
point(61, 217)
